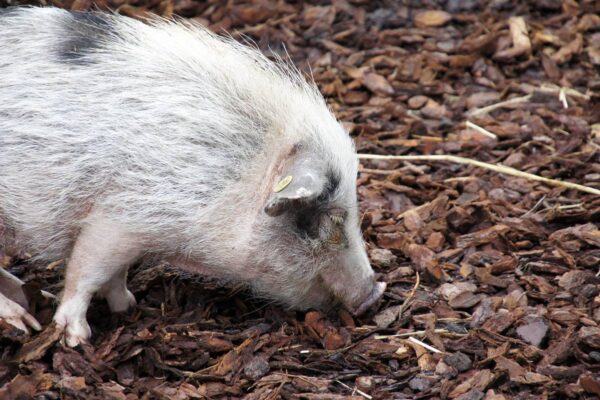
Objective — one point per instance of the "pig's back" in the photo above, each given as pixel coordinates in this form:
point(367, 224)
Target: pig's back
point(146, 123)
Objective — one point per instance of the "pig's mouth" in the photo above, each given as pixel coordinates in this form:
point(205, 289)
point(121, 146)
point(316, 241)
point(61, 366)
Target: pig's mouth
point(376, 293)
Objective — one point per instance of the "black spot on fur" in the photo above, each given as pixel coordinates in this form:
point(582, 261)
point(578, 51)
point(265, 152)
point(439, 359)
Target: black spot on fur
point(331, 186)
point(85, 33)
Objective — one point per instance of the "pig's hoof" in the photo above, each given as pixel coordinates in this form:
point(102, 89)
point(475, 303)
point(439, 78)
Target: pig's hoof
point(75, 330)
point(376, 293)
point(17, 316)
point(77, 333)
point(120, 301)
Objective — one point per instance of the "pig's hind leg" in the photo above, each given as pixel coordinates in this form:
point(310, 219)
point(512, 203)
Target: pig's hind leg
point(98, 264)
point(119, 298)
point(13, 303)
point(17, 315)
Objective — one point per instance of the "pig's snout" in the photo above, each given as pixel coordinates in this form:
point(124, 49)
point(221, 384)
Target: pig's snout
point(376, 293)
point(355, 288)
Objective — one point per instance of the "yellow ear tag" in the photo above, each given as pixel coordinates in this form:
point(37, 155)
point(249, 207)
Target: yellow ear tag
point(282, 184)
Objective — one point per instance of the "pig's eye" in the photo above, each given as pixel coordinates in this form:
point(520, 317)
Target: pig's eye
point(324, 225)
point(307, 222)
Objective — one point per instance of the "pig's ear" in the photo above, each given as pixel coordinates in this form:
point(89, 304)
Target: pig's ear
point(300, 184)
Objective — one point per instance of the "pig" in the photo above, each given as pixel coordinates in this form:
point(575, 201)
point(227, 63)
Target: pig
point(123, 141)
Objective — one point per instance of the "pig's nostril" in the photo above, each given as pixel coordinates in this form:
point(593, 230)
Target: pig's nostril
point(375, 295)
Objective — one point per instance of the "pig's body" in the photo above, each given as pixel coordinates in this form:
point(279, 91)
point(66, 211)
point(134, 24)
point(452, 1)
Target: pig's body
point(121, 140)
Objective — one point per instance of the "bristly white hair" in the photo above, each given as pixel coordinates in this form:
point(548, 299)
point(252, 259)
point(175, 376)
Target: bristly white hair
point(165, 127)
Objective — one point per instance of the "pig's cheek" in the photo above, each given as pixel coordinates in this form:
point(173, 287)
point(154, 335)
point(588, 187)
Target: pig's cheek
point(319, 297)
point(335, 282)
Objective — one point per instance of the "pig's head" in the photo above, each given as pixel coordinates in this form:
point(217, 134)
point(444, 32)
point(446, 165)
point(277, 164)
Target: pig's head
point(310, 229)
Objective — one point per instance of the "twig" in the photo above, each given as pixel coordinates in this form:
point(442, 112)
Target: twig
point(411, 295)
point(441, 332)
point(503, 169)
point(562, 208)
point(425, 345)
point(294, 346)
point(435, 139)
point(562, 92)
point(52, 266)
point(481, 130)
point(562, 96)
point(302, 378)
point(568, 206)
point(275, 394)
point(363, 394)
point(535, 207)
point(460, 179)
point(376, 171)
point(505, 103)
point(551, 88)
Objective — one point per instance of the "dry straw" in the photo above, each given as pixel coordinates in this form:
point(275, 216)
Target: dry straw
point(503, 169)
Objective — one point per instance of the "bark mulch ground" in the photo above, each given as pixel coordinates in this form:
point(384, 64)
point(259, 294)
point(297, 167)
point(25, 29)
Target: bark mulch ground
point(493, 288)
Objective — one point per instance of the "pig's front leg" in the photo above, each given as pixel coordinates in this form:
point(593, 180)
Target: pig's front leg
point(102, 253)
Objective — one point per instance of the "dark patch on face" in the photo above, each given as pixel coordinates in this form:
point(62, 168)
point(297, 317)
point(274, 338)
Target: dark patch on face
point(308, 219)
point(85, 33)
point(331, 186)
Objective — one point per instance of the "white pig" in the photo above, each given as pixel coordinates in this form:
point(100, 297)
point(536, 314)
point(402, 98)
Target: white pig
point(122, 141)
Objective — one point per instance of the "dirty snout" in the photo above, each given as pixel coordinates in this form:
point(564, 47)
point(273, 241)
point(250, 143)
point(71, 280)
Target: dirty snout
point(376, 293)
point(352, 282)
